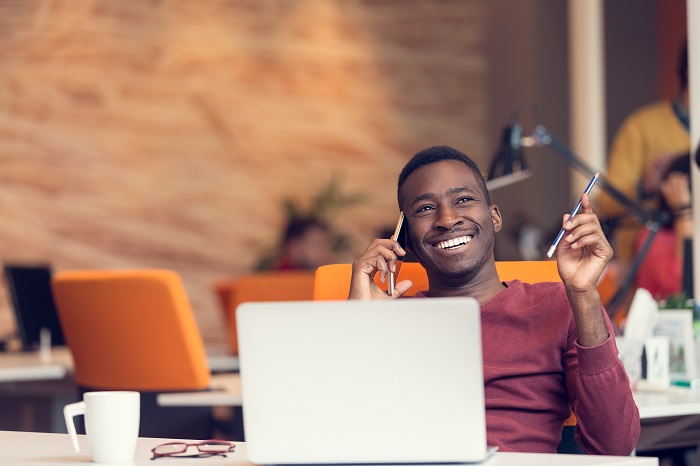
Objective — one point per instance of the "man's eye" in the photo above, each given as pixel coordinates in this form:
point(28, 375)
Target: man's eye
point(464, 199)
point(424, 208)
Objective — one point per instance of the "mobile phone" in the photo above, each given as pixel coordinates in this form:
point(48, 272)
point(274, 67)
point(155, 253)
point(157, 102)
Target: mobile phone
point(399, 235)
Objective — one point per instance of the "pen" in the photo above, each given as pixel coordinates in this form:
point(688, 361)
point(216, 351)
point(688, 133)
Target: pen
point(573, 212)
point(395, 237)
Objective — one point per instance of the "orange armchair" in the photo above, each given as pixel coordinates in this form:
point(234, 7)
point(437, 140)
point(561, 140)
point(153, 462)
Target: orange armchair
point(332, 282)
point(135, 330)
point(261, 286)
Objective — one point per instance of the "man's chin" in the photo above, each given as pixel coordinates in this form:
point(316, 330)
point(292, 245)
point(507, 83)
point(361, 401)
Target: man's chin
point(456, 271)
point(458, 275)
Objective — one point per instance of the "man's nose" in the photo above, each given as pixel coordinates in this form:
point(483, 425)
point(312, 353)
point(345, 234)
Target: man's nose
point(447, 218)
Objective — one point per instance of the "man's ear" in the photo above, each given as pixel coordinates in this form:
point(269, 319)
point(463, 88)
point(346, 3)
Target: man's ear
point(496, 218)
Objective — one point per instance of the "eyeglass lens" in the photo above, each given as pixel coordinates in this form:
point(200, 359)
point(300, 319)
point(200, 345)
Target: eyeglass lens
point(208, 446)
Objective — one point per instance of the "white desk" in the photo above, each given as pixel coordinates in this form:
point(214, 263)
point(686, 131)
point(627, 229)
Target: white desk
point(29, 366)
point(223, 363)
point(39, 449)
point(667, 403)
point(226, 391)
point(33, 391)
point(670, 418)
point(651, 404)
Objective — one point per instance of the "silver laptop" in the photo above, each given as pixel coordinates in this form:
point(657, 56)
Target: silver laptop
point(330, 382)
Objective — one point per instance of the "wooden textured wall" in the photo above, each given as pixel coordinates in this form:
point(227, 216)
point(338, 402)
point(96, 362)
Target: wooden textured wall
point(167, 133)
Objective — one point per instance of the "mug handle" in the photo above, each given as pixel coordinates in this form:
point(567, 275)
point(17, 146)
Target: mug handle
point(69, 412)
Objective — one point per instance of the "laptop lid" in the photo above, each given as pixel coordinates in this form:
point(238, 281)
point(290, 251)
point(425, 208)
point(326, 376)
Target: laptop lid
point(29, 287)
point(396, 381)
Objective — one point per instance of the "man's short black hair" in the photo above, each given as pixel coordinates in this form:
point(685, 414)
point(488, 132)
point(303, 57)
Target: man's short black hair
point(438, 154)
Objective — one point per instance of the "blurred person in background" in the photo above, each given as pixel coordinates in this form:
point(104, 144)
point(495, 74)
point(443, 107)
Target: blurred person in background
point(661, 272)
point(641, 153)
point(306, 244)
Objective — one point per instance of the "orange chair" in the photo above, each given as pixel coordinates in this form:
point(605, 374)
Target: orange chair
point(332, 282)
point(263, 286)
point(135, 330)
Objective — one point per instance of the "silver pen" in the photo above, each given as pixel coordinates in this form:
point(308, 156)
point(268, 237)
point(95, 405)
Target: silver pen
point(577, 207)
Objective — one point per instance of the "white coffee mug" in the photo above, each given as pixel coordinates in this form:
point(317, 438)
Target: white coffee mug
point(111, 424)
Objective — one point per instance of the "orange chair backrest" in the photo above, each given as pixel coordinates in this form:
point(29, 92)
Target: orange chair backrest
point(131, 330)
point(332, 282)
point(528, 271)
point(293, 285)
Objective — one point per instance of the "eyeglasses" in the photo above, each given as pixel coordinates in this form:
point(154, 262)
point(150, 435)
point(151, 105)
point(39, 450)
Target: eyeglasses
point(205, 448)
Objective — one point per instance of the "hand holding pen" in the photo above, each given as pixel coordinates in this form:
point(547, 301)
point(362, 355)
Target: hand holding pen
point(581, 260)
point(574, 211)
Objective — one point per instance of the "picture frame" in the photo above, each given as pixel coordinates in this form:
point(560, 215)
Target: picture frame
point(677, 325)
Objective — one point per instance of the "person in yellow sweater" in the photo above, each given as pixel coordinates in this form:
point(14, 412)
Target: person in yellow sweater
point(645, 145)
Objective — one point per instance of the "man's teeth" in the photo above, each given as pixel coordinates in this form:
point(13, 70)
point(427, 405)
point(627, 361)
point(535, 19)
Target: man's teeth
point(454, 242)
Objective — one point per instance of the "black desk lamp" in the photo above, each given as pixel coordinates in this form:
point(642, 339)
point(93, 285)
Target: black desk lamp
point(508, 164)
point(652, 221)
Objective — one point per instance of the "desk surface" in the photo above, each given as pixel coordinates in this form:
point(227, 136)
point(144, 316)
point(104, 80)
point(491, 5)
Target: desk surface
point(651, 404)
point(665, 414)
point(223, 363)
point(226, 391)
point(667, 403)
point(40, 449)
point(670, 418)
point(30, 366)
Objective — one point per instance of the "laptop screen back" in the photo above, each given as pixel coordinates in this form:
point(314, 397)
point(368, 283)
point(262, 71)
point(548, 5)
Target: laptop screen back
point(29, 287)
point(398, 381)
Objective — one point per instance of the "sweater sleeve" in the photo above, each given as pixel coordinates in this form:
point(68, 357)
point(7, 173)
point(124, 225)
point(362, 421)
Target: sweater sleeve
point(601, 398)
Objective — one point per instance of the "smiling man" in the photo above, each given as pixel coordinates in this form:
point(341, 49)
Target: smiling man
point(548, 348)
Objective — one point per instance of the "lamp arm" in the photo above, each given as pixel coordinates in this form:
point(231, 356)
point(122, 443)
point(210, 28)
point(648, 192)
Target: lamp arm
point(546, 139)
point(650, 220)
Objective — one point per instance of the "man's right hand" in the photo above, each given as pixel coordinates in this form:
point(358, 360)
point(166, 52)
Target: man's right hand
point(379, 257)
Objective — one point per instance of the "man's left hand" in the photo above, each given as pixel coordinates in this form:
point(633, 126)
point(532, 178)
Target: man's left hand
point(583, 252)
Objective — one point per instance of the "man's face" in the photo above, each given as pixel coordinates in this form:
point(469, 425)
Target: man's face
point(451, 227)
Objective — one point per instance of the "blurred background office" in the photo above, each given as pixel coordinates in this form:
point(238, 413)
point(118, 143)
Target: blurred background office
point(168, 134)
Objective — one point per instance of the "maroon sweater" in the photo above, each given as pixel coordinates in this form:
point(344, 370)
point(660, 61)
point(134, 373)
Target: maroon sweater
point(535, 372)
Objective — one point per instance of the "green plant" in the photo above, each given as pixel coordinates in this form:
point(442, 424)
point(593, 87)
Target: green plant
point(675, 301)
point(326, 202)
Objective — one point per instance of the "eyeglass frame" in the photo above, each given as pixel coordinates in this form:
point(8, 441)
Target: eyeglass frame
point(201, 454)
